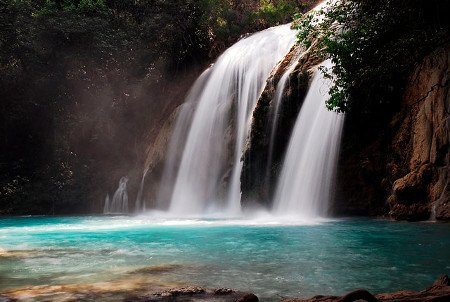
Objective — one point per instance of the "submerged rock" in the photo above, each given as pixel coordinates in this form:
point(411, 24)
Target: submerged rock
point(157, 269)
point(248, 298)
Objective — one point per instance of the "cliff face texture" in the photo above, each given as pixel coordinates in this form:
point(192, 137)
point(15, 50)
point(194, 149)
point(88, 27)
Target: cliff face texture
point(423, 140)
point(403, 171)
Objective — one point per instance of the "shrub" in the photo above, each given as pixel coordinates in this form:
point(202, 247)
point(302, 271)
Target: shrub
point(50, 7)
point(373, 44)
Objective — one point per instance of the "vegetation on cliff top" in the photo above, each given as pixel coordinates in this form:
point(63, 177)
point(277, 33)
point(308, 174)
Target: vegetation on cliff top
point(374, 44)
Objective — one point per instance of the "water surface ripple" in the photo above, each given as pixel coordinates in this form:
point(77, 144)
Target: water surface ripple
point(269, 258)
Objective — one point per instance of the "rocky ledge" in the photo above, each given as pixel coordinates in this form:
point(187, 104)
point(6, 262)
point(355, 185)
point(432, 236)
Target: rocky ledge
point(438, 292)
point(116, 292)
point(196, 294)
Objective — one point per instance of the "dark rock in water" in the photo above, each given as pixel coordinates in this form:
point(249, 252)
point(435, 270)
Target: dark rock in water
point(441, 282)
point(248, 298)
point(186, 291)
point(438, 292)
point(360, 294)
point(223, 291)
point(6, 299)
point(195, 294)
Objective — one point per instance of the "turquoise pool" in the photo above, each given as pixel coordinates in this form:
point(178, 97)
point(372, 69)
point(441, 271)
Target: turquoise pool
point(269, 258)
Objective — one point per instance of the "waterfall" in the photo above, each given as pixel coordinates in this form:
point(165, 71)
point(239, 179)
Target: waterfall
point(107, 204)
point(119, 202)
point(305, 184)
point(209, 172)
point(178, 140)
point(140, 202)
point(279, 91)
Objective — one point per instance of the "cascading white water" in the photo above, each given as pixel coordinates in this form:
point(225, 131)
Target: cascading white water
point(140, 202)
point(119, 202)
point(178, 141)
point(309, 167)
point(107, 204)
point(222, 120)
point(279, 90)
point(281, 86)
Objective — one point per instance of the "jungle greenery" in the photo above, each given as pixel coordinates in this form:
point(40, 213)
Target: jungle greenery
point(83, 81)
point(374, 45)
point(211, 20)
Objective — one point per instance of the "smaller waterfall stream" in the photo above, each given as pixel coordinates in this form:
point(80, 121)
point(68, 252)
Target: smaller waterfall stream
point(178, 141)
point(107, 204)
point(119, 202)
point(306, 180)
point(140, 201)
point(279, 91)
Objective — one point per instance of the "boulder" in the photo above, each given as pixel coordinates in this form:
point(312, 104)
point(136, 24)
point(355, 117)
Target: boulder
point(438, 292)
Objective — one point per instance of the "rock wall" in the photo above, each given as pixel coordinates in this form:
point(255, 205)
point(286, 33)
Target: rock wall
point(422, 141)
point(402, 172)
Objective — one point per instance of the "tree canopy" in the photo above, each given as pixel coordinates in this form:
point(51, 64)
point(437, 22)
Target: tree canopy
point(373, 44)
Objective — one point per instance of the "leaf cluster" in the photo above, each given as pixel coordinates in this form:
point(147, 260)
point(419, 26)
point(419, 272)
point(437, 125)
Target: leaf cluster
point(90, 7)
point(226, 20)
point(373, 45)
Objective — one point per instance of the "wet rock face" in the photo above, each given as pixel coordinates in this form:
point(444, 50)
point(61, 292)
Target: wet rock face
point(259, 173)
point(401, 170)
point(423, 140)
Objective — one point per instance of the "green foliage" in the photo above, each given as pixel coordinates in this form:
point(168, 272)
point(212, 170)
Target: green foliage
point(90, 6)
point(373, 45)
point(276, 12)
point(225, 20)
point(77, 80)
point(51, 7)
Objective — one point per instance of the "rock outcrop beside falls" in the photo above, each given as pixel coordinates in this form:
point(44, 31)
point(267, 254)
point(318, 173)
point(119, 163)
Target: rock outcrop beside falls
point(397, 168)
point(402, 171)
point(422, 139)
point(258, 181)
point(439, 291)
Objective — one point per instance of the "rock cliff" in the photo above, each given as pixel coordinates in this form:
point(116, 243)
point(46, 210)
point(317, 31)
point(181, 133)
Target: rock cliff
point(402, 172)
point(422, 141)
